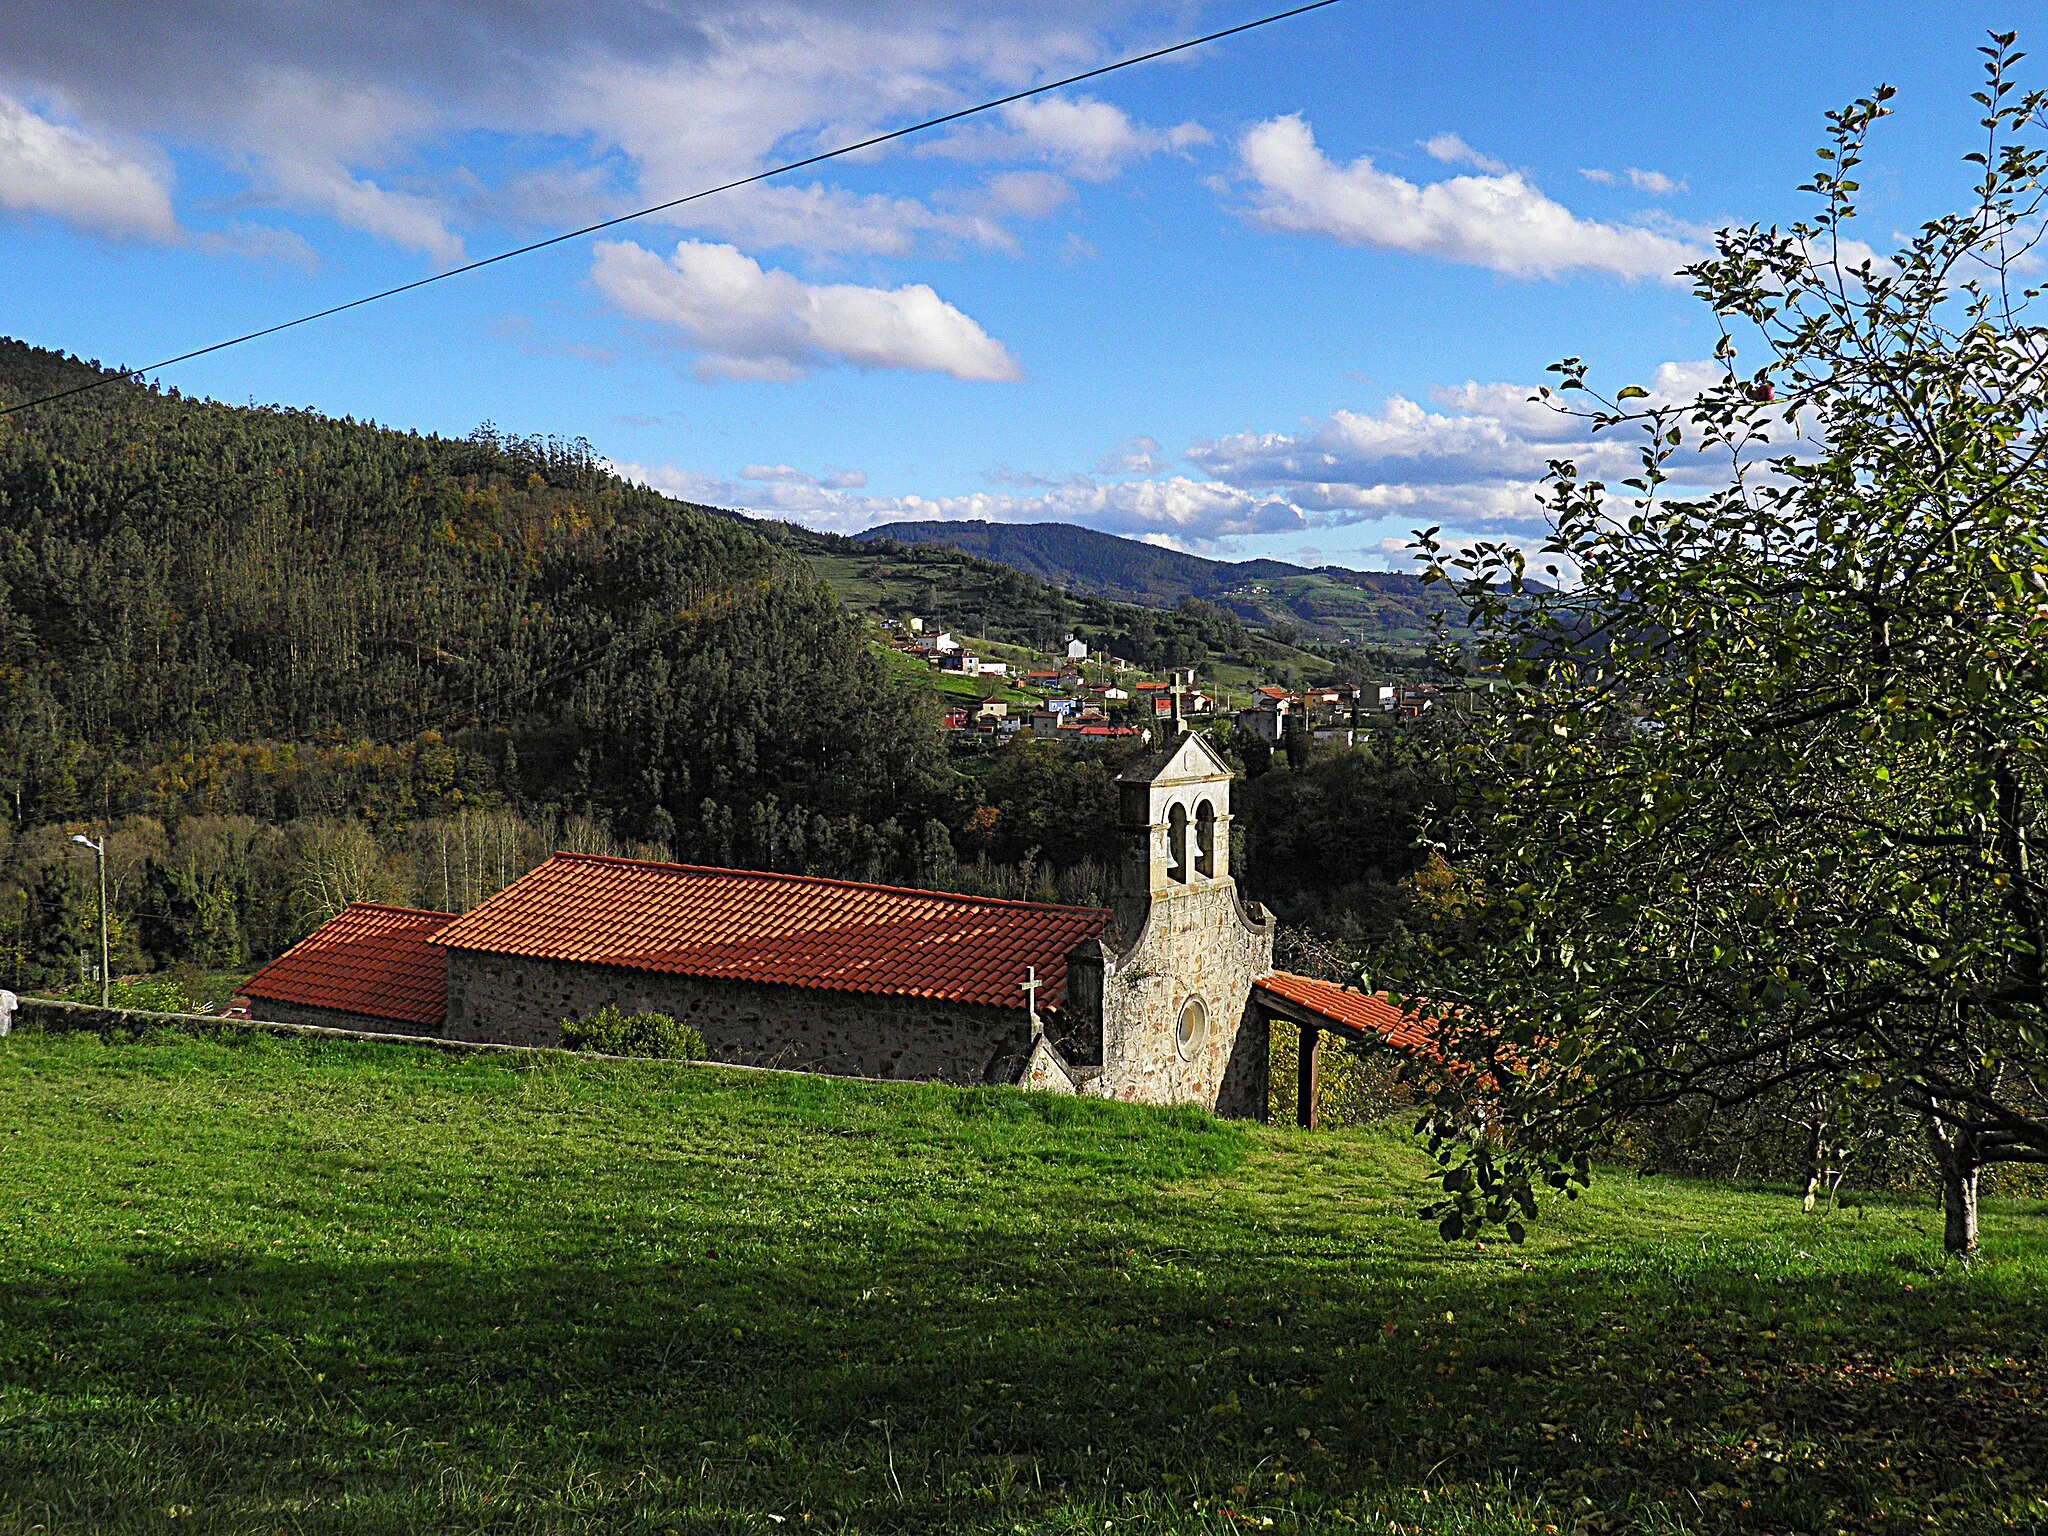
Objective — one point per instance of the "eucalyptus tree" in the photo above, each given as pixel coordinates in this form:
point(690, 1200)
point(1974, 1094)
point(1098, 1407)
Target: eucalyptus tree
point(1760, 808)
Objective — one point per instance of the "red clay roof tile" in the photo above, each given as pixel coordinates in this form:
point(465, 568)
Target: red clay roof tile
point(368, 959)
point(787, 930)
point(1350, 1008)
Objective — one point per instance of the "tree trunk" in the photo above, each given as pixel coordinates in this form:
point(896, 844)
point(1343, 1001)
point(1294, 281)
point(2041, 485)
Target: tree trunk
point(1816, 1153)
point(1959, 1211)
point(1955, 1152)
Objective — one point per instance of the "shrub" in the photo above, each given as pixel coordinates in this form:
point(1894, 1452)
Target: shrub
point(153, 994)
point(632, 1034)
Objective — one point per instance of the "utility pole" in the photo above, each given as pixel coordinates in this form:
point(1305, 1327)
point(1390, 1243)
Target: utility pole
point(99, 848)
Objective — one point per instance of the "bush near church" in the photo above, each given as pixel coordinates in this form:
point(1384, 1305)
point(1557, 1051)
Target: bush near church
point(632, 1034)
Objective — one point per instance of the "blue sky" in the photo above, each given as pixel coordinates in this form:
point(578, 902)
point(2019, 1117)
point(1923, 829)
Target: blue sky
point(1283, 296)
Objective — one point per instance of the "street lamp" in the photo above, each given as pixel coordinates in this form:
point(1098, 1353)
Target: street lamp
point(99, 848)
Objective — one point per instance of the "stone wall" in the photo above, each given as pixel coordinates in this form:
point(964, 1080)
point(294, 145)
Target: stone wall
point(1196, 942)
point(523, 1002)
point(270, 1012)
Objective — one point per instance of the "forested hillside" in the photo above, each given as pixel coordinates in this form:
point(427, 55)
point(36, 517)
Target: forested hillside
point(209, 610)
point(283, 661)
point(1328, 602)
point(182, 573)
point(1001, 602)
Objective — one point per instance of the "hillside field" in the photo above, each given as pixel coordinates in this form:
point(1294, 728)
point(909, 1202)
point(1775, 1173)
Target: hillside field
point(263, 1284)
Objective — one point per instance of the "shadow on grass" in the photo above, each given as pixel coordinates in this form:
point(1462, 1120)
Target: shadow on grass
point(971, 1383)
point(260, 1285)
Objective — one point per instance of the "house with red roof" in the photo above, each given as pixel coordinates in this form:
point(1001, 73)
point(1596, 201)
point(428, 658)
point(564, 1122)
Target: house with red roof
point(1167, 997)
point(370, 967)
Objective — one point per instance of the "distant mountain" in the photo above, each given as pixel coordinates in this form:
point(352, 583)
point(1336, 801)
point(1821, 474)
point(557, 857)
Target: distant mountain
point(1083, 560)
point(993, 601)
point(1328, 602)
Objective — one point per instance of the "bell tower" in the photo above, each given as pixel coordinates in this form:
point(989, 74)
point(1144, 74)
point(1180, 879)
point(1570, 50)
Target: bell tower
point(1175, 809)
point(1177, 976)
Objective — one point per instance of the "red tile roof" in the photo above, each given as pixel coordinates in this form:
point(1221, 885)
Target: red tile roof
point(1351, 1009)
point(788, 930)
point(368, 959)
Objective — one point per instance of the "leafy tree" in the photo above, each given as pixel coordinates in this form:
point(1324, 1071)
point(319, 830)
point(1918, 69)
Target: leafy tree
point(339, 863)
point(1296, 742)
point(190, 915)
point(1036, 797)
point(1331, 845)
point(60, 926)
point(1763, 810)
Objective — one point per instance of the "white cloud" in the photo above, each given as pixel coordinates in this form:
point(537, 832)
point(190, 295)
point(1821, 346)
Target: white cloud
point(751, 323)
point(259, 242)
point(785, 474)
point(306, 137)
point(375, 115)
point(1090, 139)
point(822, 220)
point(1479, 458)
point(1178, 512)
point(52, 168)
point(1475, 461)
point(403, 218)
point(1656, 183)
point(1452, 150)
point(1024, 194)
point(1502, 223)
point(829, 220)
point(1685, 380)
point(766, 83)
point(1140, 456)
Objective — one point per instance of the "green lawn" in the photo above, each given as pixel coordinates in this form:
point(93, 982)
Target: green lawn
point(258, 1284)
point(960, 690)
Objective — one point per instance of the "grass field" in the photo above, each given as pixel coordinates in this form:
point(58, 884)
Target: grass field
point(958, 689)
point(255, 1284)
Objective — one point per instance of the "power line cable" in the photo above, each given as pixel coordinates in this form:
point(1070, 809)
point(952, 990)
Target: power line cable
point(676, 202)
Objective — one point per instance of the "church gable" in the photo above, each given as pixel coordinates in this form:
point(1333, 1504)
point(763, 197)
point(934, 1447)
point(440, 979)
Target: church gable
point(1175, 805)
point(1191, 761)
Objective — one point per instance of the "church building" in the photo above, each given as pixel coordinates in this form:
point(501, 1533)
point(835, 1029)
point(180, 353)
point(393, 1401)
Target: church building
point(1158, 999)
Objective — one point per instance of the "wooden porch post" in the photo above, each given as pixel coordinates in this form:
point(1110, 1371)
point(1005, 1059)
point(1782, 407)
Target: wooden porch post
point(1309, 1077)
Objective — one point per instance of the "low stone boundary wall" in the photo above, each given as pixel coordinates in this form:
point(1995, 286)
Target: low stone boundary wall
point(47, 1016)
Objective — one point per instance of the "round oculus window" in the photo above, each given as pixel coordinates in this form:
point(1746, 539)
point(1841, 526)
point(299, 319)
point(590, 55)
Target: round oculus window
point(1192, 1028)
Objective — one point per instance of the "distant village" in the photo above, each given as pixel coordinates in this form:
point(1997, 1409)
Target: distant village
point(1090, 695)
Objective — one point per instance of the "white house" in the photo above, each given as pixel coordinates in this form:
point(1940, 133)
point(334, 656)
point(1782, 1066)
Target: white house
point(1268, 723)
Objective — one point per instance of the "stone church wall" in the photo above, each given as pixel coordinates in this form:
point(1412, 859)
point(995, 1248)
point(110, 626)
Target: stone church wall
point(517, 1001)
point(332, 1018)
point(1196, 942)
